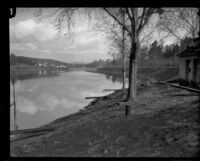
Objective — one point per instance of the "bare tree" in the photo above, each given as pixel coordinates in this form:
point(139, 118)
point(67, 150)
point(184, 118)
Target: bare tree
point(136, 20)
point(177, 21)
point(116, 35)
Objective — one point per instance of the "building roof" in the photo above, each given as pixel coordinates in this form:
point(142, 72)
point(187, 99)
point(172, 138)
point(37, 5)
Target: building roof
point(194, 49)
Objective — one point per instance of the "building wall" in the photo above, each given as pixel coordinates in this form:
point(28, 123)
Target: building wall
point(198, 71)
point(190, 74)
point(182, 65)
point(182, 68)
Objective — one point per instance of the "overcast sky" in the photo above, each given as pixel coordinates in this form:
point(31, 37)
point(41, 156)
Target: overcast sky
point(32, 38)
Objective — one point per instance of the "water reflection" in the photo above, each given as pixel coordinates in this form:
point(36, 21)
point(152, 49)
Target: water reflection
point(31, 74)
point(114, 78)
point(40, 101)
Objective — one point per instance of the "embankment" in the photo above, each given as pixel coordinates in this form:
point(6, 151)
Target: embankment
point(164, 122)
point(158, 73)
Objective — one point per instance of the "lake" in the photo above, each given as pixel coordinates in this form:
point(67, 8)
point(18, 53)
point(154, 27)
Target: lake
point(40, 100)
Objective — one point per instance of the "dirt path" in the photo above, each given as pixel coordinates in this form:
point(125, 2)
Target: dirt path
point(164, 122)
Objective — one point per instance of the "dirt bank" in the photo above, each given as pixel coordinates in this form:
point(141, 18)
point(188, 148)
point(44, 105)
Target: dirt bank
point(164, 122)
point(157, 73)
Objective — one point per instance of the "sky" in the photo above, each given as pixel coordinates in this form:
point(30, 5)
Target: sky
point(33, 38)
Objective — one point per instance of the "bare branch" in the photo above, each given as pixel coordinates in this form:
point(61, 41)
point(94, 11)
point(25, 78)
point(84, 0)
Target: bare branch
point(115, 18)
point(142, 19)
point(128, 13)
point(175, 19)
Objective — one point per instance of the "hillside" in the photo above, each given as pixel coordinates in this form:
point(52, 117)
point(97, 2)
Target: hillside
point(21, 61)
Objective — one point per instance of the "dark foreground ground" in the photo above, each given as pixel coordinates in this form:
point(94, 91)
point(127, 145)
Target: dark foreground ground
point(164, 122)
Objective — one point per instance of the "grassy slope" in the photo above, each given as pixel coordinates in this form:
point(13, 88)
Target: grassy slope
point(161, 74)
point(163, 122)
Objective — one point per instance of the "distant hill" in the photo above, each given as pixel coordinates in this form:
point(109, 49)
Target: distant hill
point(35, 62)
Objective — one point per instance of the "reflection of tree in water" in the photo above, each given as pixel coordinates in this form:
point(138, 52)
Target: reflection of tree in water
point(108, 76)
point(33, 74)
point(114, 78)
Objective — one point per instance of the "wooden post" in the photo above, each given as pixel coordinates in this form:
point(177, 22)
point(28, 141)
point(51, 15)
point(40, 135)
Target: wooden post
point(127, 110)
point(14, 104)
point(107, 90)
point(95, 97)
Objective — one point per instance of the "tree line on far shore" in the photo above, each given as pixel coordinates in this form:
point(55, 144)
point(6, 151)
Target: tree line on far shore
point(35, 62)
point(155, 54)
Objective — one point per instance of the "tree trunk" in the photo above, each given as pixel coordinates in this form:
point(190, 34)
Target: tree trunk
point(123, 76)
point(132, 90)
point(124, 66)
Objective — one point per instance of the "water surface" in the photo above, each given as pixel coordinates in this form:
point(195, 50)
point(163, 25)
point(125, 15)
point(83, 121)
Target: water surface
point(44, 99)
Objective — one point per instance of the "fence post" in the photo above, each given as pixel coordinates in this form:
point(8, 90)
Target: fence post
point(127, 110)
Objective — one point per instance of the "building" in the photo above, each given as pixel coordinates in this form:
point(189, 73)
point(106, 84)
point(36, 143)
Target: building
point(189, 63)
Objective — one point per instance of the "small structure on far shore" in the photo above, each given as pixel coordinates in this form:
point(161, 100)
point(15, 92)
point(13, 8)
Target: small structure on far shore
point(189, 63)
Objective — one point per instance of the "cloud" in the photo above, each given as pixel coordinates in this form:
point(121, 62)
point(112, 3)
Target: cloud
point(87, 42)
point(31, 46)
point(45, 102)
point(39, 31)
point(26, 106)
point(23, 46)
point(27, 47)
point(46, 51)
point(42, 40)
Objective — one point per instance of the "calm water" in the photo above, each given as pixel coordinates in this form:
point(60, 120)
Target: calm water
point(44, 99)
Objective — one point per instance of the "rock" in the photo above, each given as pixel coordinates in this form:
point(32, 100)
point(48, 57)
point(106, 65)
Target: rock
point(13, 154)
point(148, 83)
point(56, 142)
point(120, 140)
point(93, 149)
point(156, 153)
point(142, 85)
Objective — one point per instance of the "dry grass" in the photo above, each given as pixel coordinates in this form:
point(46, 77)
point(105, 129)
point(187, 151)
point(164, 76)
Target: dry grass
point(160, 124)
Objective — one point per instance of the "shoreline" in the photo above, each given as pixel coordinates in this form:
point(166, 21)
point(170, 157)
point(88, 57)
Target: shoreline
point(163, 122)
point(159, 116)
point(83, 110)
